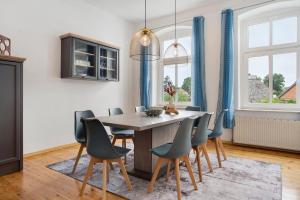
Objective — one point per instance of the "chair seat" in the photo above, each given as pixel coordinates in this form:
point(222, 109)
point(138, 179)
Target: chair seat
point(195, 143)
point(121, 150)
point(212, 135)
point(162, 150)
point(123, 132)
point(81, 140)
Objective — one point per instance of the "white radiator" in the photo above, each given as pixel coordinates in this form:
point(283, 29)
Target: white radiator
point(275, 133)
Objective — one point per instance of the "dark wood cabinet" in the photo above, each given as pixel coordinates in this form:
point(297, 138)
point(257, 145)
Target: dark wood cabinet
point(11, 118)
point(84, 58)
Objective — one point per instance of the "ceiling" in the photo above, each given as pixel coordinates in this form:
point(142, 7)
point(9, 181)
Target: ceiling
point(133, 10)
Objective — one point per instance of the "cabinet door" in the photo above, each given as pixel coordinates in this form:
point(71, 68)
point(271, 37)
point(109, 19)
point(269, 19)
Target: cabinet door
point(108, 68)
point(10, 115)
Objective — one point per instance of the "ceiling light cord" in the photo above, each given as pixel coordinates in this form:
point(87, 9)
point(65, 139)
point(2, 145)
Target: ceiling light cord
point(145, 14)
point(175, 23)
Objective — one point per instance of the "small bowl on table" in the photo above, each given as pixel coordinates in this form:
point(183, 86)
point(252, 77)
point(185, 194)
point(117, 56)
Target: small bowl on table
point(153, 112)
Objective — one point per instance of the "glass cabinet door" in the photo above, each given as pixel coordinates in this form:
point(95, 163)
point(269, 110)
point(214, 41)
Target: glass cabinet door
point(108, 65)
point(85, 59)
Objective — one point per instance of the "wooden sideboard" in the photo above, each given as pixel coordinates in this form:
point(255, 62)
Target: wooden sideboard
point(11, 115)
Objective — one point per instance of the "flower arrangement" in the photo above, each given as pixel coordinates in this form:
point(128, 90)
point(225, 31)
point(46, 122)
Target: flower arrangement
point(170, 89)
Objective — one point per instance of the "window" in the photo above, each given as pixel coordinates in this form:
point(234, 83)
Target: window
point(177, 71)
point(269, 55)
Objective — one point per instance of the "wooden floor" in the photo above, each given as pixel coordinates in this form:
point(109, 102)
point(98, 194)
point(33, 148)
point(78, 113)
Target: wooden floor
point(36, 182)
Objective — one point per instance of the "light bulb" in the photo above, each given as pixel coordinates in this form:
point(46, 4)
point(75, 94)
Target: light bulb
point(145, 39)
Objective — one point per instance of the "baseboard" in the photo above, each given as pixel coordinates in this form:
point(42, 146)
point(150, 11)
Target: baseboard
point(266, 148)
point(27, 155)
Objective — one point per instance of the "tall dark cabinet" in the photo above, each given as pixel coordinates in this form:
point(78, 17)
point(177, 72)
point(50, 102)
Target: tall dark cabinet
point(88, 59)
point(11, 119)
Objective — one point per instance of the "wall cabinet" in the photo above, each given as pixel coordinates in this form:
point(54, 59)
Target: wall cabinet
point(83, 58)
point(11, 125)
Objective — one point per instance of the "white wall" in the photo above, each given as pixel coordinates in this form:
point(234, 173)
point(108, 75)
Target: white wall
point(34, 27)
point(212, 14)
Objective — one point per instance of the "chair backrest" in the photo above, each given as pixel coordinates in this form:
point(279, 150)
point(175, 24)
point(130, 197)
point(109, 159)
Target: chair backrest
point(140, 109)
point(218, 129)
point(182, 142)
point(200, 136)
point(80, 134)
point(112, 112)
point(98, 143)
point(193, 108)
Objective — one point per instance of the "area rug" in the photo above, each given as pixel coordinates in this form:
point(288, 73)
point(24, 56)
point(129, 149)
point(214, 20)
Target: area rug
point(238, 179)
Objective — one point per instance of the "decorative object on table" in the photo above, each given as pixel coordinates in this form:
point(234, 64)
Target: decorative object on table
point(4, 45)
point(144, 43)
point(176, 49)
point(239, 177)
point(171, 91)
point(153, 112)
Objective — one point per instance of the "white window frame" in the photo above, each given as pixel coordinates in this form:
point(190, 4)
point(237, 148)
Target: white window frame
point(246, 52)
point(171, 61)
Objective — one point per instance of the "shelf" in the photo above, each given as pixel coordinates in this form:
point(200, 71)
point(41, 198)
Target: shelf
point(107, 58)
point(107, 69)
point(84, 53)
point(85, 66)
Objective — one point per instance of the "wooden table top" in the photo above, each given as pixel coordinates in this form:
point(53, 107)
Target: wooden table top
point(140, 121)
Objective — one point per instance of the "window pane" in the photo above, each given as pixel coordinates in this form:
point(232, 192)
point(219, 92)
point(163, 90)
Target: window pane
point(258, 85)
point(167, 43)
point(184, 83)
point(169, 75)
point(259, 35)
point(285, 31)
point(284, 78)
point(186, 43)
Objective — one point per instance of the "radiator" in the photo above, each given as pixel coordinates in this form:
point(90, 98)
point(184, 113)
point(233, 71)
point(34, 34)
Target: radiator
point(275, 133)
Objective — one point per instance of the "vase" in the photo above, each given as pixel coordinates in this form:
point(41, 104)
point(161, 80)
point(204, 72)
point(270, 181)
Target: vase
point(171, 103)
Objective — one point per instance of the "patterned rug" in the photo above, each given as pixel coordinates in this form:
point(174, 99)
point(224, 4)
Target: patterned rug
point(238, 179)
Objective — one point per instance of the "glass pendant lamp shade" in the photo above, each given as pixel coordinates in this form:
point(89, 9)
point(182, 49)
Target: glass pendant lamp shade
point(145, 45)
point(175, 50)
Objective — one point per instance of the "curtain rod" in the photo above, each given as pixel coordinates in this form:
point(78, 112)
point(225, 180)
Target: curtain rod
point(191, 19)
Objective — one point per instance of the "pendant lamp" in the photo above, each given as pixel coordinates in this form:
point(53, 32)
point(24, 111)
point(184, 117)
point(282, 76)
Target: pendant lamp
point(176, 49)
point(144, 44)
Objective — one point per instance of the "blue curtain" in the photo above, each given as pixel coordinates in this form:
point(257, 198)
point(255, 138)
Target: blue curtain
point(198, 64)
point(145, 82)
point(225, 100)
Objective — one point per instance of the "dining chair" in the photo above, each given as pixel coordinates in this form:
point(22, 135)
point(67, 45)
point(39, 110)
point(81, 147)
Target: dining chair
point(215, 136)
point(140, 109)
point(174, 152)
point(119, 133)
point(199, 141)
point(80, 134)
point(101, 150)
point(194, 108)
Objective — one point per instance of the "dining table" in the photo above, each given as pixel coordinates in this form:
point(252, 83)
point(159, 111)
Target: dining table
point(149, 132)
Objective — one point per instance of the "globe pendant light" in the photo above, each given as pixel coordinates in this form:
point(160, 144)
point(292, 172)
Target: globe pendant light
point(176, 49)
point(144, 44)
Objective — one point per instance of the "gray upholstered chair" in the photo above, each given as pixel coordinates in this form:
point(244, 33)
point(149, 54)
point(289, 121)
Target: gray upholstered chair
point(101, 150)
point(80, 134)
point(194, 108)
point(119, 133)
point(140, 109)
point(215, 136)
point(174, 152)
point(199, 141)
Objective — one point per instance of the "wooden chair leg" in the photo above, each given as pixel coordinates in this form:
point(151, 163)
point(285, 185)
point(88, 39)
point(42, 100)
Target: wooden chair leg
point(111, 165)
point(125, 175)
point(222, 148)
point(107, 171)
point(199, 164)
point(78, 157)
point(189, 168)
point(88, 174)
point(168, 170)
point(154, 176)
point(104, 174)
point(204, 149)
point(124, 146)
point(114, 141)
point(218, 152)
point(177, 174)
